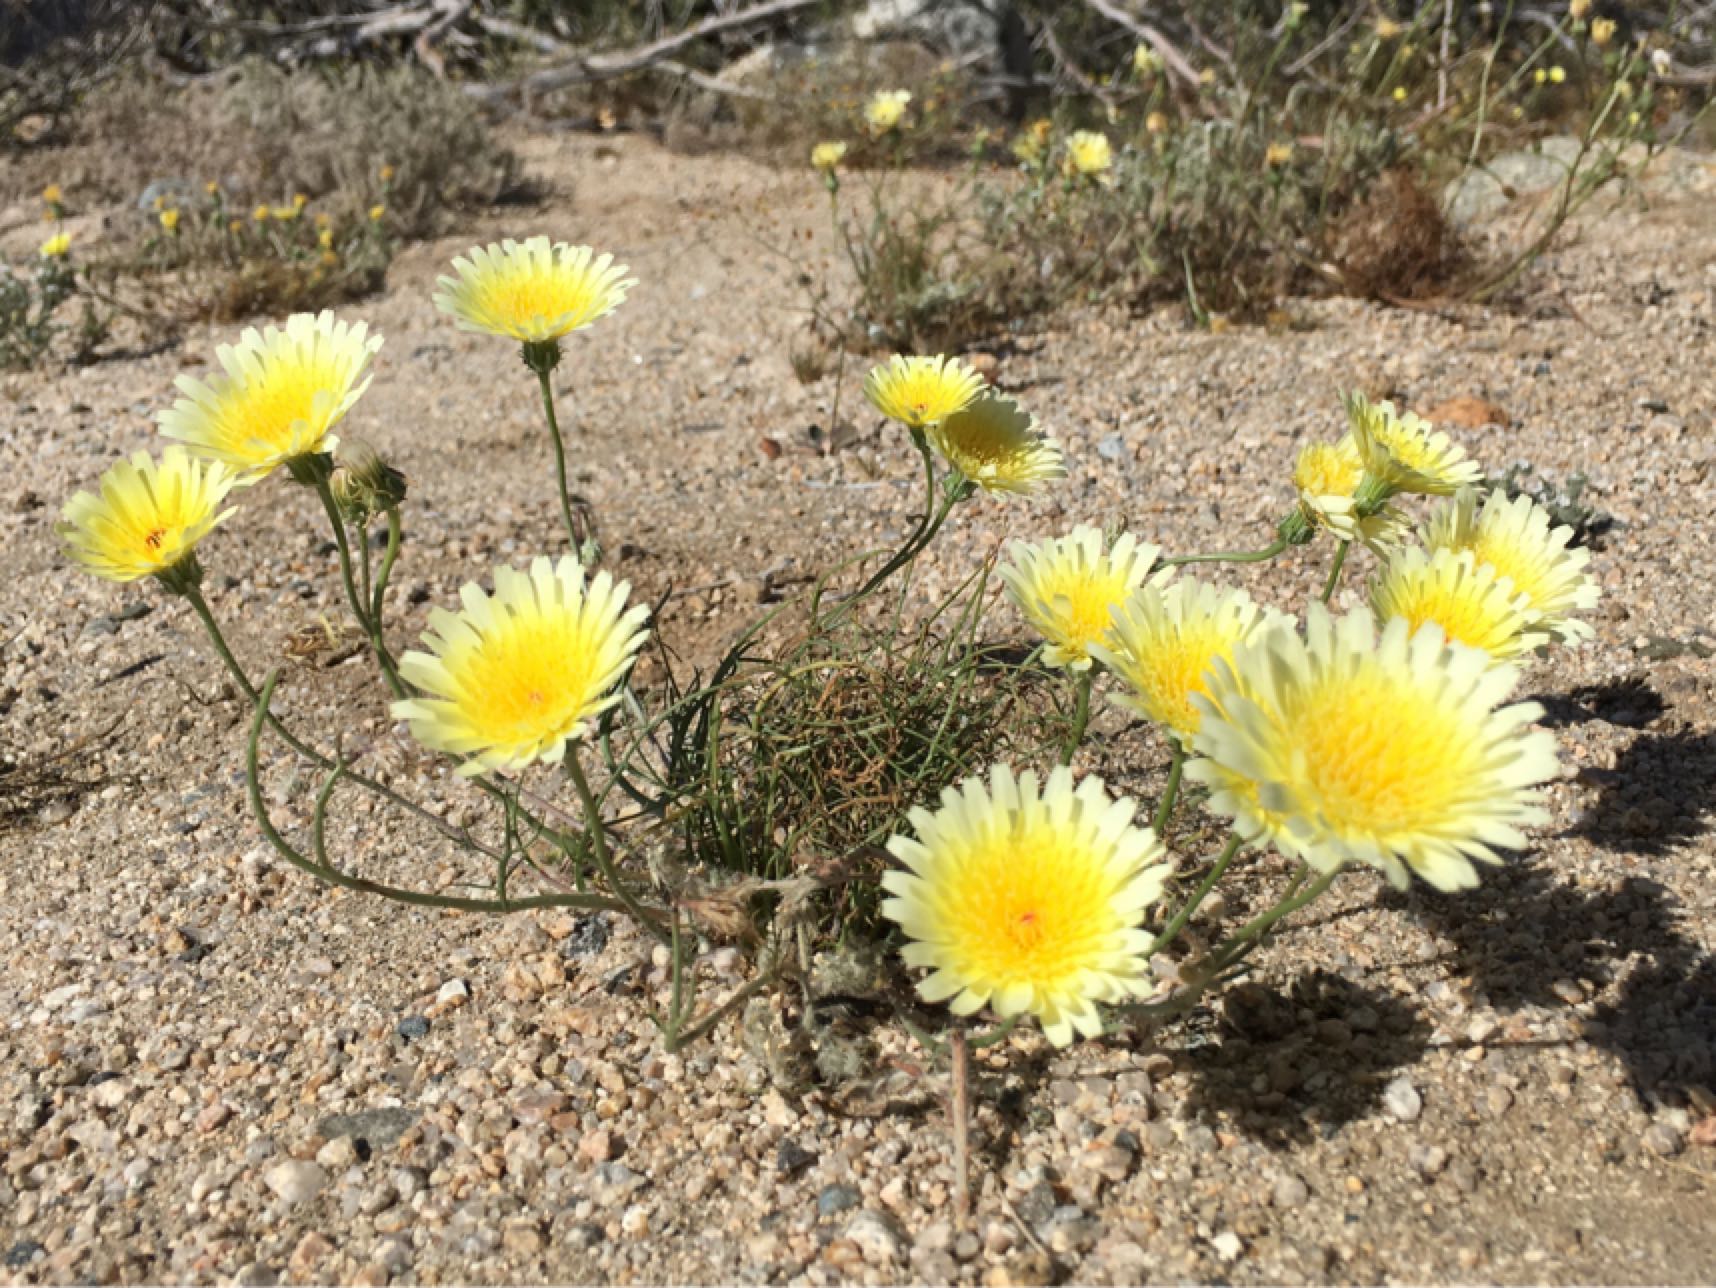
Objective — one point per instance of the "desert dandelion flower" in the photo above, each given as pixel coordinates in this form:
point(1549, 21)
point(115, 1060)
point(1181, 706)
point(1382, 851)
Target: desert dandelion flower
point(1515, 537)
point(1338, 747)
point(57, 247)
point(1069, 587)
point(827, 157)
point(886, 110)
point(279, 396)
point(1472, 603)
point(148, 518)
point(515, 675)
point(1327, 478)
point(919, 392)
point(1027, 899)
point(1165, 638)
point(1089, 153)
point(532, 291)
point(996, 444)
point(1403, 453)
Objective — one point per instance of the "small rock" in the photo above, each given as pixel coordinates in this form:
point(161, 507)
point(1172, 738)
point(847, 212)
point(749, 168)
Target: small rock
point(214, 1116)
point(634, 1222)
point(836, 1199)
point(1568, 991)
point(791, 1158)
point(1427, 1160)
point(1402, 1100)
point(22, 1253)
point(413, 1027)
point(1498, 1100)
point(522, 1237)
point(308, 1254)
point(597, 1146)
point(877, 1237)
point(1661, 1138)
point(1227, 1245)
point(1290, 1192)
point(370, 1129)
point(338, 1154)
point(1111, 447)
point(937, 1236)
point(1468, 413)
point(452, 995)
point(583, 1236)
point(295, 1181)
point(393, 1253)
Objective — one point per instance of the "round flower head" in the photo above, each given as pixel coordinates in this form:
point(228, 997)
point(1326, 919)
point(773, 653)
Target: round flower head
point(1027, 901)
point(1089, 153)
point(1336, 746)
point(1515, 538)
point(1069, 587)
point(827, 157)
point(1403, 453)
point(1470, 601)
point(886, 109)
point(919, 392)
point(997, 445)
point(1327, 476)
point(149, 516)
point(56, 247)
point(280, 394)
point(531, 291)
point(1166, 636)
point(514, 676)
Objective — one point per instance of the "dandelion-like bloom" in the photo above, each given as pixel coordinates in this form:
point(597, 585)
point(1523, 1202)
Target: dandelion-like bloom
point(1145, 60)
point(1602, 31)
point(280, 396)
point(1165, 638)
point(1027, 900)
point(1327, 477)
point(1277, 154)
point(1337, 746)
point(53, 195)
point(1404, 453)
point(996, 444)
point(148, 518)
point(1515, 537)
point(1089, 153)
point(1069, 587)
point(532, 291)
point(514, 676)
point(375, 213)
point(260, 214)
point(886, 109)
point(56, 247)
point(827, 157)
point(1472, 603)
point(170, 220)
point(919, 392)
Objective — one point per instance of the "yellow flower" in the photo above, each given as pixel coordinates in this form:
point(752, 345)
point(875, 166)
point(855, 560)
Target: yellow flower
point(299, 201)
point(1028, 900)
point(512, 677)
point(1557, 74)
point(57, 247)
point(1338, 747)
point(376, 212)
point(827, 157)
point(532, 291)
point(387, 173)
point(1145, 60)
point(1516, 539)
point(1472, 603)
point(1602, 31)
point(1327, 476)
point(997, 445)
point(233, 225)
point(1166, 636)
point(52, 195)
point(280, 395)
point(211, 188)
point(1403, 453)
point(1387, 29)
point(284, 214)
point(1539, 77)
point(885, 110)
point(260, 214)
point(920, 391)
point(1156, 123)
point(1277, 154)
point(148, 518)
point(325, 239)
point(1577, 9)
point(1069, 587)
point(1399, 94)
point(1089, 153)
point(170, 220)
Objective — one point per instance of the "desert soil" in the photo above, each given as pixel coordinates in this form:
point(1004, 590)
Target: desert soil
point(212, 1069)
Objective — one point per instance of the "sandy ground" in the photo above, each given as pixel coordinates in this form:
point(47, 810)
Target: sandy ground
point(1505, 1085)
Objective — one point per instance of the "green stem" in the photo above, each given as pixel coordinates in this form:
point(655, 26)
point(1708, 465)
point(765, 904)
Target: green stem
point(395, 535)
point(360, 610)
point(928, 526)
point(1229, 556)
point(574, 530)
point(1171, 792)
point(721, 1012)
point(1254, 929)
point(1335, 570)
point(1081, 714)
point(599, 849)
point(1180, 918)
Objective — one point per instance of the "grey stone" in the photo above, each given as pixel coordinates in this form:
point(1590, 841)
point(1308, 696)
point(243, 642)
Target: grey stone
point(1402, 1100)
point(370, 1129)
point(295, 1181)
point(1662, 1138)
point(877, 1237)
point(836, 1199)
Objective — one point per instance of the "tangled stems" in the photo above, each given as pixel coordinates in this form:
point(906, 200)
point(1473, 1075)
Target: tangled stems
point(599, 850)
point(1178, 923)
point(955, 490)
point(365, 608)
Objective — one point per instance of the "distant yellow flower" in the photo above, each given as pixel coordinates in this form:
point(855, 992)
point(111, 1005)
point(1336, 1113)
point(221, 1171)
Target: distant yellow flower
point(1338, 747)
point(1327, 477)
point(234, 225)
point(299, 201)
point(1577, 9)
point(325, 239)
point(323, 219)
point(532, 291)
point(1602, 31)
point(1156, 123)
point(1470, 601)
point(1207, 76)
point(375, 213)
point(52, 195)
point(827, 157)
point(57, 247)
point(1069, 587)
point(1387, 29)
point(1089, 153)
point(211, 188)
point(386, 173)
point(1557, 74)
point(1277, 154)
point(1027, 899)
point(885, 110)
point(260, 214)
point(514, 676)
point(148, 518)
point(170, 220)
point(1516, 538)
point(997, 445)
point(1399, 94)
point(1403, 453)
point(1539, 77)
point(279, 397)
point(921, 391)
point(1145, 60)
point(284, 214)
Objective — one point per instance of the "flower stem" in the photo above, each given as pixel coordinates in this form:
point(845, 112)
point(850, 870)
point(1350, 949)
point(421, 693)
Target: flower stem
point(1170, 793)
point(1248, 935)
point(395, 535)
point(1230, 556)
point(1180, 918)
point(599, 850)
point(360, 610)
point(1335, 570)
point(959, 1109)
point(1081, 714)
point(574, 529)
point(926, 530)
